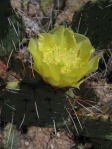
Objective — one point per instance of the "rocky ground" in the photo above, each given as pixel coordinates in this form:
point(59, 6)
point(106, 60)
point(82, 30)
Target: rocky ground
point(49, 138)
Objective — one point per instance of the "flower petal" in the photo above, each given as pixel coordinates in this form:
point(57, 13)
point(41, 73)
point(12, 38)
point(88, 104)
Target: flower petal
point(85, 50)
point(51, 74)
point(93, 64)
point(57, 30)
point(87, 68)
point(66, 35)
point(79, 38)
point(32, 46)
point(58, 35)
point(34, 50)
point(45, 41)
point(70, 39)
point(66, 81)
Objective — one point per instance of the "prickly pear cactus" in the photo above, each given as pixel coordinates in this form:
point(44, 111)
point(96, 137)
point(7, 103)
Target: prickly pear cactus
point(39, 106)
point(95, 118)
point(94, 19)
point(97, 125)
point(33, 102)
point(12, 29)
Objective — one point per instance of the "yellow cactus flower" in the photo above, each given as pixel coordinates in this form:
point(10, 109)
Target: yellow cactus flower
point(63, 57)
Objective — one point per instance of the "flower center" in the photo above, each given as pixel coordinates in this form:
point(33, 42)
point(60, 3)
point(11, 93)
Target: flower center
point(65, 59)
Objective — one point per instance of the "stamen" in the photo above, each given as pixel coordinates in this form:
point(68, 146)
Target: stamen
point(65, 59)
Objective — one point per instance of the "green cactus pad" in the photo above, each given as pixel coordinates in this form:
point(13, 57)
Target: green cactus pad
point(12, 28)
point(41, 104)
point(94, 19)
